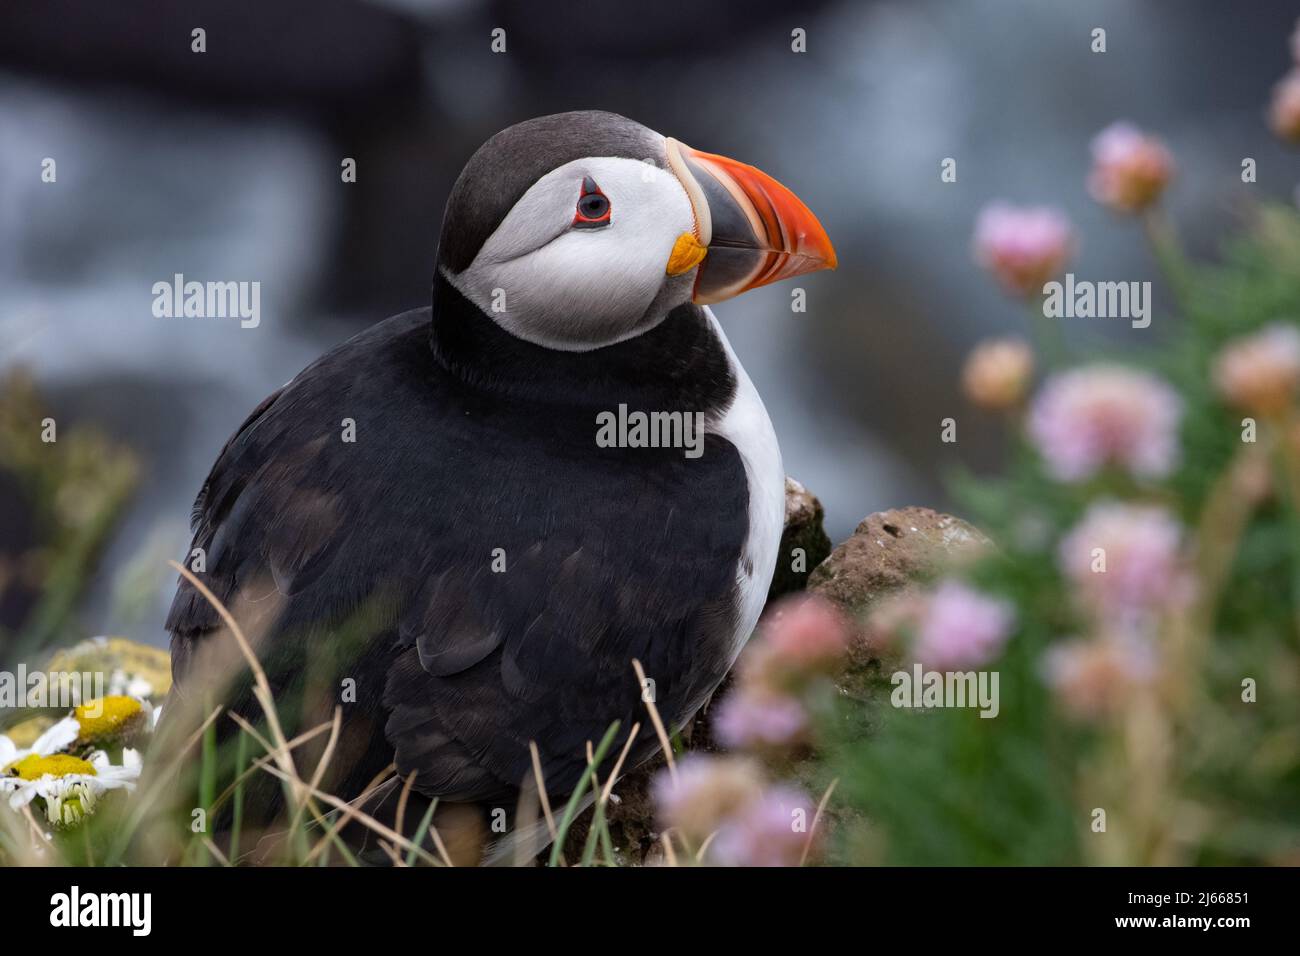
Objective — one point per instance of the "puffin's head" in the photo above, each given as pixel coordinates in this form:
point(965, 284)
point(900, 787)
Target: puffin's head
point(583, 229)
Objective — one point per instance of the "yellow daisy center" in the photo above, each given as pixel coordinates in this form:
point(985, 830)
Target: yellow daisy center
point(34, 766)
point(106, 716)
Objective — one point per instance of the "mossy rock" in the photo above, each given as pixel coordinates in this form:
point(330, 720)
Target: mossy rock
point(804, 542)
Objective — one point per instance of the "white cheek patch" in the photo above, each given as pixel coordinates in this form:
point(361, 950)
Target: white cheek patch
point(531, 223)
point(578, 289)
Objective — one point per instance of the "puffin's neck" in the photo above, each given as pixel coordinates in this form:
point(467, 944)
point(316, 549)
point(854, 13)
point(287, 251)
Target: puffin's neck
point(679, 365)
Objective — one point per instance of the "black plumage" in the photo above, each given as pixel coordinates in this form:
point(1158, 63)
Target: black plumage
point(469, 440)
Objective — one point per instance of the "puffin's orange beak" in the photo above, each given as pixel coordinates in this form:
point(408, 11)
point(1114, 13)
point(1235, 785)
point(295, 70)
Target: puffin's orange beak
point(755, 230)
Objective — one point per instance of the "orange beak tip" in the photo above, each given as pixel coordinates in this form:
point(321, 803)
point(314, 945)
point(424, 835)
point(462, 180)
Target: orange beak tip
point(749, 214)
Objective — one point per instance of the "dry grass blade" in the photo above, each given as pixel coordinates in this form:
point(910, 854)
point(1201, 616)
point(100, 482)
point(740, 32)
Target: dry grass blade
point(526, 816)
point(35, 830)
point(704, 847)
point(332, 827)
point(618, 764)
point(391, 852)
point(215, 851)
point(323, 763)
point(371, 823)
point(541, 787)
point(254, 766)
point(401, 801)
point(263, 763)
point(335, 725)
point(664, 742)
point(812, 830)
point(262, 690)
point(669, 853)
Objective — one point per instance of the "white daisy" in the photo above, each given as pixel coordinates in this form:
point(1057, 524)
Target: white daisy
point(122, 683)
point(68, 786)
point(114, 719)
point(58, 736)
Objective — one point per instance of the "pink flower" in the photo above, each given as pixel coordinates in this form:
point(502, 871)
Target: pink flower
point(1124, 560)
point(961, 628)
point(708, 791)
point(1259, 373)
point(1100, 415)
point(1024, 247)
point(1129, 168)
point(806, 632)
point(800, 638)
point(772, 831)
point(1095, 678)
point(997, 373)
point(1284, 111)
point(747, 720)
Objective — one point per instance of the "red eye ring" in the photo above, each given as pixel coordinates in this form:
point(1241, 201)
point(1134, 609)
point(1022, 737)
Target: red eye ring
point(593, 206)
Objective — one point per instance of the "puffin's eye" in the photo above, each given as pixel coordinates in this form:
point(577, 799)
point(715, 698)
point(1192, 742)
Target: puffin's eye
point(593, 206)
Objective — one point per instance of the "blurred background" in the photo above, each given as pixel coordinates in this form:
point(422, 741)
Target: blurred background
point(225, 165)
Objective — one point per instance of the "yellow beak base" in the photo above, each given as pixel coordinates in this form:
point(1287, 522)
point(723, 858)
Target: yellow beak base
point(687, 254)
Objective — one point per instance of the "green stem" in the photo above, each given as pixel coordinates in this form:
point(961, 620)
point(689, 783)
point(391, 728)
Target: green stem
point(1290, 468)
point(420, 831)
point(1173, 262)
point(1046, 333)
point(241, 757)
point(571, 808)
point(208, 778)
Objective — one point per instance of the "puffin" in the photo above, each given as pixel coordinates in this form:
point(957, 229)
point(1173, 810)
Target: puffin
point(435, 531)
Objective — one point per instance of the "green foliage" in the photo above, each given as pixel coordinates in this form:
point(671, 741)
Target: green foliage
point(73, 489)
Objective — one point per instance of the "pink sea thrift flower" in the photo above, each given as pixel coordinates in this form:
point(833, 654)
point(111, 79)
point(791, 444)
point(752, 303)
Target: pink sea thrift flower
point(1284, 111)
point(708, 791)
point(1095, 678)
point(960, 628)
point(747, 720)
point(800, 638)
point(773, 831)
point(1098, 415)
point(997, 373)
point(1024, 247)
point(1129, 168)
point(806, 632)
point(1259, 373)
point(1125, 560)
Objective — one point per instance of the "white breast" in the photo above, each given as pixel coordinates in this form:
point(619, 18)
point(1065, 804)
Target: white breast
point(747, 426)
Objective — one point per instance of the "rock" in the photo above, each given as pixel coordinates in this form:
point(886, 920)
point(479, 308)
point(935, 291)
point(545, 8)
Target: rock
point(890, 550)
point(804, 543)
